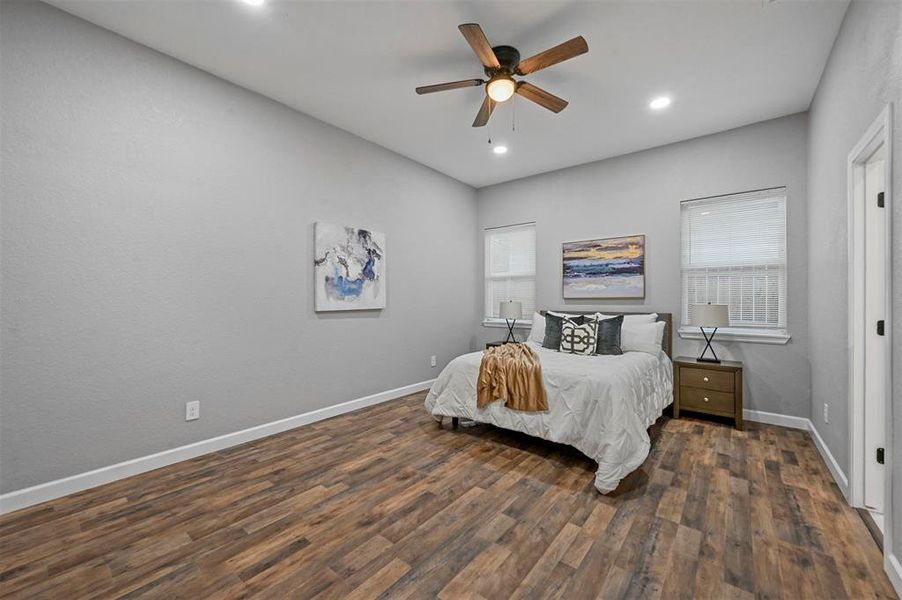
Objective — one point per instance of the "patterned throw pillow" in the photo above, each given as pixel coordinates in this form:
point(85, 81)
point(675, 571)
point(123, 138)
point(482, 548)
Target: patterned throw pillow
point(579, 339)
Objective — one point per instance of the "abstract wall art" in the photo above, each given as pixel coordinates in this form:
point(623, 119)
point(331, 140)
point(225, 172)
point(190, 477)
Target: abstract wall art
point(605, 268)
point(349, 268)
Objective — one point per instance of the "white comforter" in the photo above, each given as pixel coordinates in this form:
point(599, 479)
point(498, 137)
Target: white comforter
point(600, 405)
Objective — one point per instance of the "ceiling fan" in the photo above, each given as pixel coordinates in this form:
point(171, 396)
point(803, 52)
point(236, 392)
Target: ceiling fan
point(501, 63)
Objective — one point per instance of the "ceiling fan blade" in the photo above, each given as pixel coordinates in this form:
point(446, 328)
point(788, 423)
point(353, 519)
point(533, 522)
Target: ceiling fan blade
point(451, 85)
point(541, 97)
point(485, 111)
point(553, 56)
point(480, 45)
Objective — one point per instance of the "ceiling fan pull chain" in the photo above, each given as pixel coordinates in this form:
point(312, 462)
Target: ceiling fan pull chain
point(514, 113)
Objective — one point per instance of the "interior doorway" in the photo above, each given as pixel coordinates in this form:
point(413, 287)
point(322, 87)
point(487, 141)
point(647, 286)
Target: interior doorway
point(875, 350)
point(870, 303)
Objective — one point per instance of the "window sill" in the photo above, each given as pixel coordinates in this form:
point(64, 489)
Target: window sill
point(725, 334)
point(501, 323)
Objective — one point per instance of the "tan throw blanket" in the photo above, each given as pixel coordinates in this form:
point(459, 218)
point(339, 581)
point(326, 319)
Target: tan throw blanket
point(511, 373)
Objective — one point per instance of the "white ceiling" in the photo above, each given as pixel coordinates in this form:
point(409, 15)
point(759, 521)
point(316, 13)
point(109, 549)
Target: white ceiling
point(356, 64)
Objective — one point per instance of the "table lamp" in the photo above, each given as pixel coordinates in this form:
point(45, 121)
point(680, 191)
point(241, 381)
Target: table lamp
point(710, 315)
point(510, 311)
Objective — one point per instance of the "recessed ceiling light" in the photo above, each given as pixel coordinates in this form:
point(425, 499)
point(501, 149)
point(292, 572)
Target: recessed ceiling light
point(254, 2)
point(660, 102)
point(500, 149)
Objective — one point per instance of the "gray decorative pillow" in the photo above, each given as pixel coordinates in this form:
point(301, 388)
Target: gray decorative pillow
point(578, 339)
point(553, 325)
point(609, 336)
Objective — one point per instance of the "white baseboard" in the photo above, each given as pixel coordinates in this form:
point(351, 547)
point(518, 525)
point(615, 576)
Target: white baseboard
point(838, 476)
point(894, 571)
point(760, 416)
point(69, 485)
point(805, 424)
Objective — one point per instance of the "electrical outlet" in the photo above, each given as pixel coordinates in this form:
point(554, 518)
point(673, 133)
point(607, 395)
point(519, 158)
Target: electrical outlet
point(826, 413)
point(192, 410)
point(432, 362)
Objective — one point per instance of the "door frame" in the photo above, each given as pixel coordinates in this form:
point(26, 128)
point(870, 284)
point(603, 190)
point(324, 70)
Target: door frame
point(879, 132)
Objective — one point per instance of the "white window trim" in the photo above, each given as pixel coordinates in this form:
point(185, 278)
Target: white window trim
point(739, 334)
point(520, 324)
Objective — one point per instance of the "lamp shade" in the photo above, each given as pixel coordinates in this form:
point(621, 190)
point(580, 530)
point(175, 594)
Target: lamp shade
point(710, 315)
point(511, 310)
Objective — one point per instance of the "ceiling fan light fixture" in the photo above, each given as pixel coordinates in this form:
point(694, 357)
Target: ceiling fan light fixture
point(500, 89)
point(500, 149)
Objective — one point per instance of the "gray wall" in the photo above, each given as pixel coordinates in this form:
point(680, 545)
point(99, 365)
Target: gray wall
point(863, 74)
point(641, 193)
point(156, 248)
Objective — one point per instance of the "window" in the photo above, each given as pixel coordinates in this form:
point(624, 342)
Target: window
point(734, 253)
point(510, 268)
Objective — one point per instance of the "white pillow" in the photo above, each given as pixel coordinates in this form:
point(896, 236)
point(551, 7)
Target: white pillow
point(641, 337)
point(537, 333)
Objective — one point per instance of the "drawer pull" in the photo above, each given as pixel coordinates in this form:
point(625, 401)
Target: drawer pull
point(707, 401)
point(705, 380)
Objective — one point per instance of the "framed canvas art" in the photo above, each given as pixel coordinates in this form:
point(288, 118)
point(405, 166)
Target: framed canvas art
point(349, 268)
point(605, 268)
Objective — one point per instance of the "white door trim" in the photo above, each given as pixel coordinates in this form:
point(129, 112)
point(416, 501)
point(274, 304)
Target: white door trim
point(880, 132)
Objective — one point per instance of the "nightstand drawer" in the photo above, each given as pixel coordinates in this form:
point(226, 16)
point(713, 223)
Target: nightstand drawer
point(707, 379)
point(706, 400)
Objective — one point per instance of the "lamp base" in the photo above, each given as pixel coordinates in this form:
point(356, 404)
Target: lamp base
point(708, 346)
point(511, 338)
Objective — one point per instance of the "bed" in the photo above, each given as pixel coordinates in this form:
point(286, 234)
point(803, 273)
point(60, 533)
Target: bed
point(600, 405)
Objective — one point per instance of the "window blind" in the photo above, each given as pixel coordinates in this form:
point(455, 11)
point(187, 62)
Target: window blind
point(510, 268)
point(734, 253)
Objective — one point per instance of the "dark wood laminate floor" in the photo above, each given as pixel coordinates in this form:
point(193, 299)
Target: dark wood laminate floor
point(384, 502)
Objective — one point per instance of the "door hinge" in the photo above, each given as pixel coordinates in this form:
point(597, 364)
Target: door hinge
point(880, 327)
point(880, 200)
point(880, 457)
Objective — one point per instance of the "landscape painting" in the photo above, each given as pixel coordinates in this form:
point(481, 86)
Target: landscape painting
point(605, 268)
point(349, 268)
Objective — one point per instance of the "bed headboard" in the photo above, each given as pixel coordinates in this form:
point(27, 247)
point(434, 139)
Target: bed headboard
point(666, 343)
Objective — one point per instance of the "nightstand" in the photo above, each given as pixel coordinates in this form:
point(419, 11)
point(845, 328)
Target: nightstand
point(708, 388)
